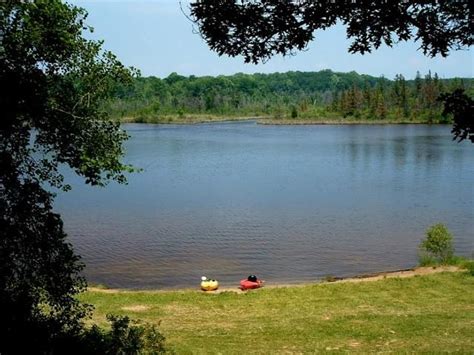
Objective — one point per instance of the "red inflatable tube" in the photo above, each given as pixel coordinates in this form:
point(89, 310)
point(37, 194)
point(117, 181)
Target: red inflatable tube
point(247, 285)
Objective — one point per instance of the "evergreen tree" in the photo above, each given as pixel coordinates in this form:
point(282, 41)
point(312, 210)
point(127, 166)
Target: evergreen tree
point(400, 95)
point(381, 108)
point(396, 94)
point(404, 98)
point(367, 95)
point(430, 95)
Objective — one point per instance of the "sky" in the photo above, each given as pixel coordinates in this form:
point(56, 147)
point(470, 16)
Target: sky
point(157, 38)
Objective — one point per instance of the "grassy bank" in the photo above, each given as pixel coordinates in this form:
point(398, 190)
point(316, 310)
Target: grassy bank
point(268, 120)
point(422, 313)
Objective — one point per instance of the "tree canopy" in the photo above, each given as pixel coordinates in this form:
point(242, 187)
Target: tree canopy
point(259, 29)
point(323, 95)
point(53, 83)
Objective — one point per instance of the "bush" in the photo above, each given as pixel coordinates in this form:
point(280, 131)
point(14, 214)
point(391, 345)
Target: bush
point(122, 338)
point(426, 259)
point(294, 112)
point(437, 247)
point(140, 119)
point(457, 260)
point(469, 265)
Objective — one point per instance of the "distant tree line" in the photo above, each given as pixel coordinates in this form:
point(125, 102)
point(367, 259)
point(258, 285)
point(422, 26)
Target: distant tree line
point(323, 94)
point(398, 99)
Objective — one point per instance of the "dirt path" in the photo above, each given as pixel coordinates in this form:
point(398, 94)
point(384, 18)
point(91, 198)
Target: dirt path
point(362, 278)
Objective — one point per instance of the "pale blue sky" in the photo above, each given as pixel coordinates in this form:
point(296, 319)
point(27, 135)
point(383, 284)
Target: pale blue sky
point(155, 37)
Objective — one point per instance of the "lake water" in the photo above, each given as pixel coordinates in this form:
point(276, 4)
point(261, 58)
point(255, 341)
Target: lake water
point(287, 203)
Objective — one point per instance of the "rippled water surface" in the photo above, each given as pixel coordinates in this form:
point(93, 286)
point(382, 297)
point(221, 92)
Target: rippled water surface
point(288, 203)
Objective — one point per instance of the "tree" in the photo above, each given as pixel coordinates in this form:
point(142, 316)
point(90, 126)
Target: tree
point(461, 107)
point(53, 84)
point(403, 97)
point(257, 30)
point(367, 96)
point(430, 94)
point(418, 84)
point(400, 95)
point(380, 105)
point(438, 244)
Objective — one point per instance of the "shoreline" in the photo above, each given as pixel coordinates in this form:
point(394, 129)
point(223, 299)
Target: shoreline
point(267, 120)
point(402, 273)
point(272, 122)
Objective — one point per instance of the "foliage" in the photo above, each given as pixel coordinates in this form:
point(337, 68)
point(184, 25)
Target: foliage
point(469, 265)
point(461, 107)
point(302, 95)
point(122, 337)
point(437, 245)
point(39, 273)
point(294, 112)
point(425, 259)
point(260, 29)
point(134, 338)
point(53, 84)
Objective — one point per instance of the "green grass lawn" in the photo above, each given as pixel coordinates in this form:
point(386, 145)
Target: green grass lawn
point(431, 313)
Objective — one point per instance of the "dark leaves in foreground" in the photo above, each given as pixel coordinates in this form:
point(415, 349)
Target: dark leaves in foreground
point(259, 29)
point(461, 107)
point(53, 84)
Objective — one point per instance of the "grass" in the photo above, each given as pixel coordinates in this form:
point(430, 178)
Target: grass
point(431, 313)
point(428, 259)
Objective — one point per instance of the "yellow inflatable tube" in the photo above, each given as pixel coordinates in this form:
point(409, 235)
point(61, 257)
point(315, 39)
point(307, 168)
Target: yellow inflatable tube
point(209, 285)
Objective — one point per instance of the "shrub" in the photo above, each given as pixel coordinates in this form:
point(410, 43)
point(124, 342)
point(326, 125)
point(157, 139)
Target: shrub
point(437, 246)
point(278, 113)
point(123, 337)
point(426, 259)
point(469, 265)
point(294, 112)
point(457, 260)
point(140, 119)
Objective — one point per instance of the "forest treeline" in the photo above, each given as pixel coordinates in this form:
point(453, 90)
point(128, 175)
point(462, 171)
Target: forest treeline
point(323, 95)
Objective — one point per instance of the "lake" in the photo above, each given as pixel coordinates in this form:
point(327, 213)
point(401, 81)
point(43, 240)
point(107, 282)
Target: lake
point(287, 203)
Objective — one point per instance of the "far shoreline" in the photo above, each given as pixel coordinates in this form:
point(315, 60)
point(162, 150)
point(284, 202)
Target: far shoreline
point(193, 120)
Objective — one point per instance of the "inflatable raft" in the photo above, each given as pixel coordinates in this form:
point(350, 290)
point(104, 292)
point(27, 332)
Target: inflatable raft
point(250, 282)
point(209, 285)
